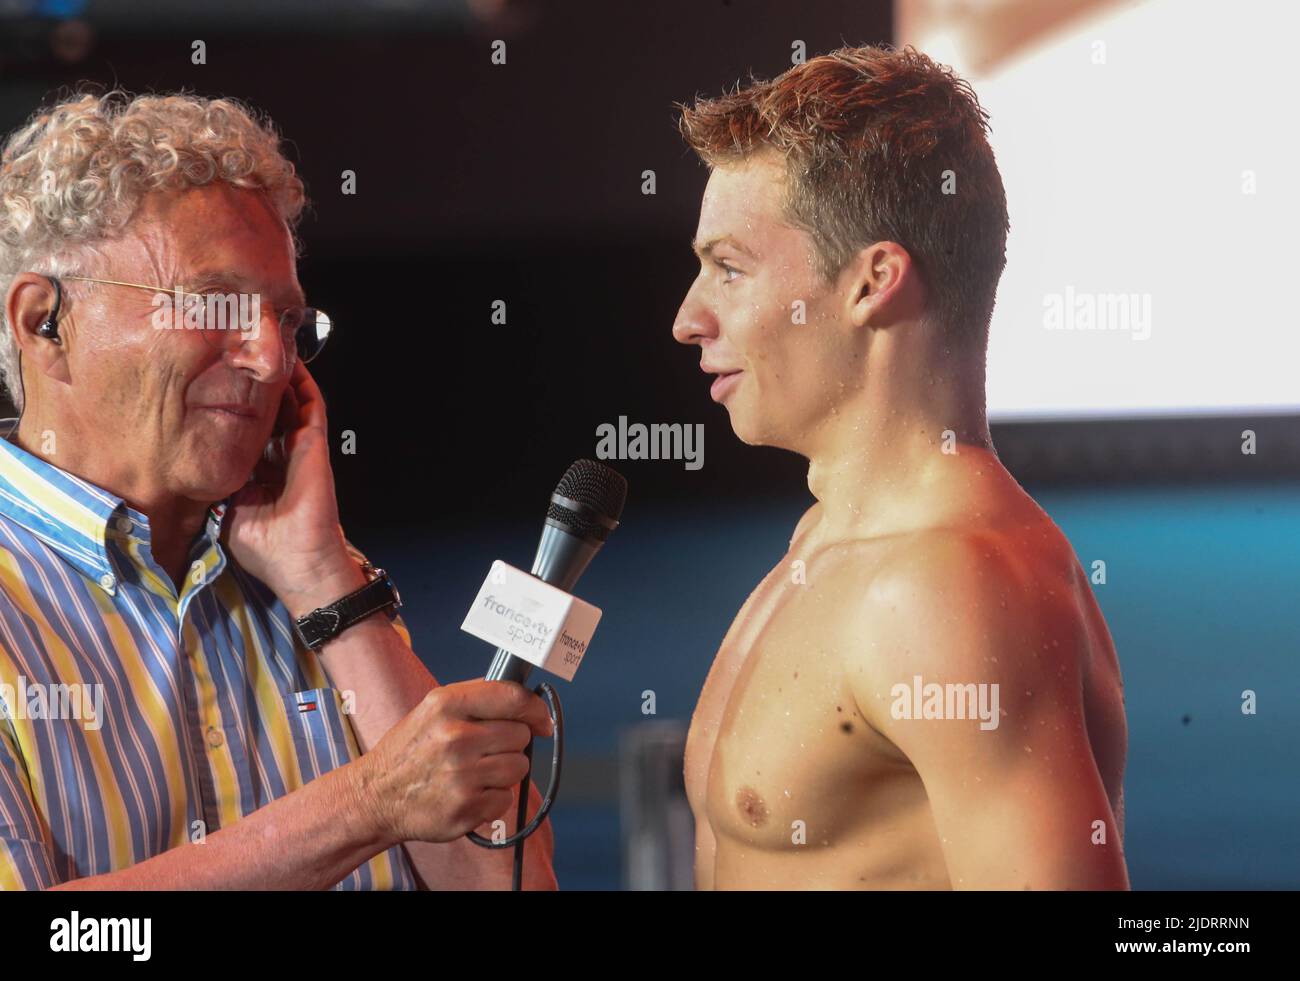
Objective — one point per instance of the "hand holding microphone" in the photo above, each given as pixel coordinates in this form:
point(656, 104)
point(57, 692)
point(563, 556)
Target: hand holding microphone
point(453, 762)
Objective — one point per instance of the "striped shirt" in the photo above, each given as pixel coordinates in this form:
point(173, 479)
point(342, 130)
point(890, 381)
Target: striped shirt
point(133, 721)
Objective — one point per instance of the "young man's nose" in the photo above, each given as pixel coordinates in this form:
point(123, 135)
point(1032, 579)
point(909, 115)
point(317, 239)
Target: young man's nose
point(694, 322)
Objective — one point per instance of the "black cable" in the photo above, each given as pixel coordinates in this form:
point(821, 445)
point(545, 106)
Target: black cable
point(49, 329)
point(23, 395)
point(552, 699)
point(521, 814)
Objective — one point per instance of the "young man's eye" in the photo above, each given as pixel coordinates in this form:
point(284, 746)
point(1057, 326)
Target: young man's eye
point(727, 271)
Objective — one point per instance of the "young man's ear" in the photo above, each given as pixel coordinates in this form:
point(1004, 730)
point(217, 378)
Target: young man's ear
point(883, 284)
point(37, 316)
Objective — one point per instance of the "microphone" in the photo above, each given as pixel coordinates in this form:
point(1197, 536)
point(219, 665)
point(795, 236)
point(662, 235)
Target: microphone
point(585, 508)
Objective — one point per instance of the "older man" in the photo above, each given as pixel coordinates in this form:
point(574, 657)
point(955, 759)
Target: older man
point(138, 562)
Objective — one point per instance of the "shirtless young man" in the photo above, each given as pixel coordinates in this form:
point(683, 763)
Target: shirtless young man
point(851, 237)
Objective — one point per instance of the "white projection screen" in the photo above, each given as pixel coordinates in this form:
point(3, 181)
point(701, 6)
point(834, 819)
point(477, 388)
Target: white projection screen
point(1151, 156)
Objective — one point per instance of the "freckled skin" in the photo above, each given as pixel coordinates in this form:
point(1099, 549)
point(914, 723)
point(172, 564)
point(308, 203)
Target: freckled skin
point(865, 391)
point(755, 763)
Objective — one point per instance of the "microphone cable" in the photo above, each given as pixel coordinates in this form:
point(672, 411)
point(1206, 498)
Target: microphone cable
point(552, 699)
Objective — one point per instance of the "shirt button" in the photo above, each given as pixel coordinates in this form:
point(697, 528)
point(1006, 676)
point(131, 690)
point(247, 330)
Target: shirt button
point(215, 738)
point(107, 581)
point(125, 524)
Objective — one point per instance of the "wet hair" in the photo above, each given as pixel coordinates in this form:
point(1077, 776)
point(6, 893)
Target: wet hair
point(879, 144)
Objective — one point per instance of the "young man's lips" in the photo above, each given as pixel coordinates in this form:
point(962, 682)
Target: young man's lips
point(723, 384)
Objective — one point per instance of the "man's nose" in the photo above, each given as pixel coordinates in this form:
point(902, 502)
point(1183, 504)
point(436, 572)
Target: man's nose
point(265, 351)
point(695, 321)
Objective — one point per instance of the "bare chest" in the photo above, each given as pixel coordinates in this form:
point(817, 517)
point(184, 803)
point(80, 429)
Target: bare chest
point(778, 753)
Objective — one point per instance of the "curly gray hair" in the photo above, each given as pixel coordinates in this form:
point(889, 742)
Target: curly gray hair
point(73, 176)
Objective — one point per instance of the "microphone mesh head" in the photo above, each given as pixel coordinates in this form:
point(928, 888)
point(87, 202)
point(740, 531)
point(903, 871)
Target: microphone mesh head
point(596, 486)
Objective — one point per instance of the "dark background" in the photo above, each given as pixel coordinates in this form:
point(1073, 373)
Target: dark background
point(479, 182)
point(522, 183)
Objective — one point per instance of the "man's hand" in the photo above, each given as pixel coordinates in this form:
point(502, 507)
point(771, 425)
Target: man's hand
point(283, 525)
point(453, 762)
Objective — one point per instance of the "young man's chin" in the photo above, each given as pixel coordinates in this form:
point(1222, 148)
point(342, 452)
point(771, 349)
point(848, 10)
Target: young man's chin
point(748, 430)
point(754, 431)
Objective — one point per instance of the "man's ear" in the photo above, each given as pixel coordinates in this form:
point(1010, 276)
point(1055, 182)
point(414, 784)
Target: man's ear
point(883, 286)
point(29, 303)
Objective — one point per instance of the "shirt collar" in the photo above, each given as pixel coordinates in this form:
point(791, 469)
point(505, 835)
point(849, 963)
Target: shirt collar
point(71, 515)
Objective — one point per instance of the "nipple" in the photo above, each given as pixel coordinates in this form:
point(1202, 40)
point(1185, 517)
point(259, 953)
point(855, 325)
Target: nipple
point(751, 807)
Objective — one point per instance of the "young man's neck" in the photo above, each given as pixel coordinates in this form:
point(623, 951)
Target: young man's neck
point(886, 461)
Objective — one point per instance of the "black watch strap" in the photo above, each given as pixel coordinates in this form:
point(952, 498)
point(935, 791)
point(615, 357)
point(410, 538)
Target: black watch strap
point(327, 622)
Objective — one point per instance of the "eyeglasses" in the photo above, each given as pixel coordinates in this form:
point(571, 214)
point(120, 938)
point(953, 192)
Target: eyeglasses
point(304, 330)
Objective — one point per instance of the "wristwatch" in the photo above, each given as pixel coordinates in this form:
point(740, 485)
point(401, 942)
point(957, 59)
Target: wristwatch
point(326, 622)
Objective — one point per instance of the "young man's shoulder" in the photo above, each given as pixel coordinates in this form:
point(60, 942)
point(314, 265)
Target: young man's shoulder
point(946, 594)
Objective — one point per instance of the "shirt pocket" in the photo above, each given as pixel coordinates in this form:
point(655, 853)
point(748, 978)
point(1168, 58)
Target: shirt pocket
point(322, 732)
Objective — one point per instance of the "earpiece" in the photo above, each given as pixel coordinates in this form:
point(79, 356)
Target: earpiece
point(50, 329)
